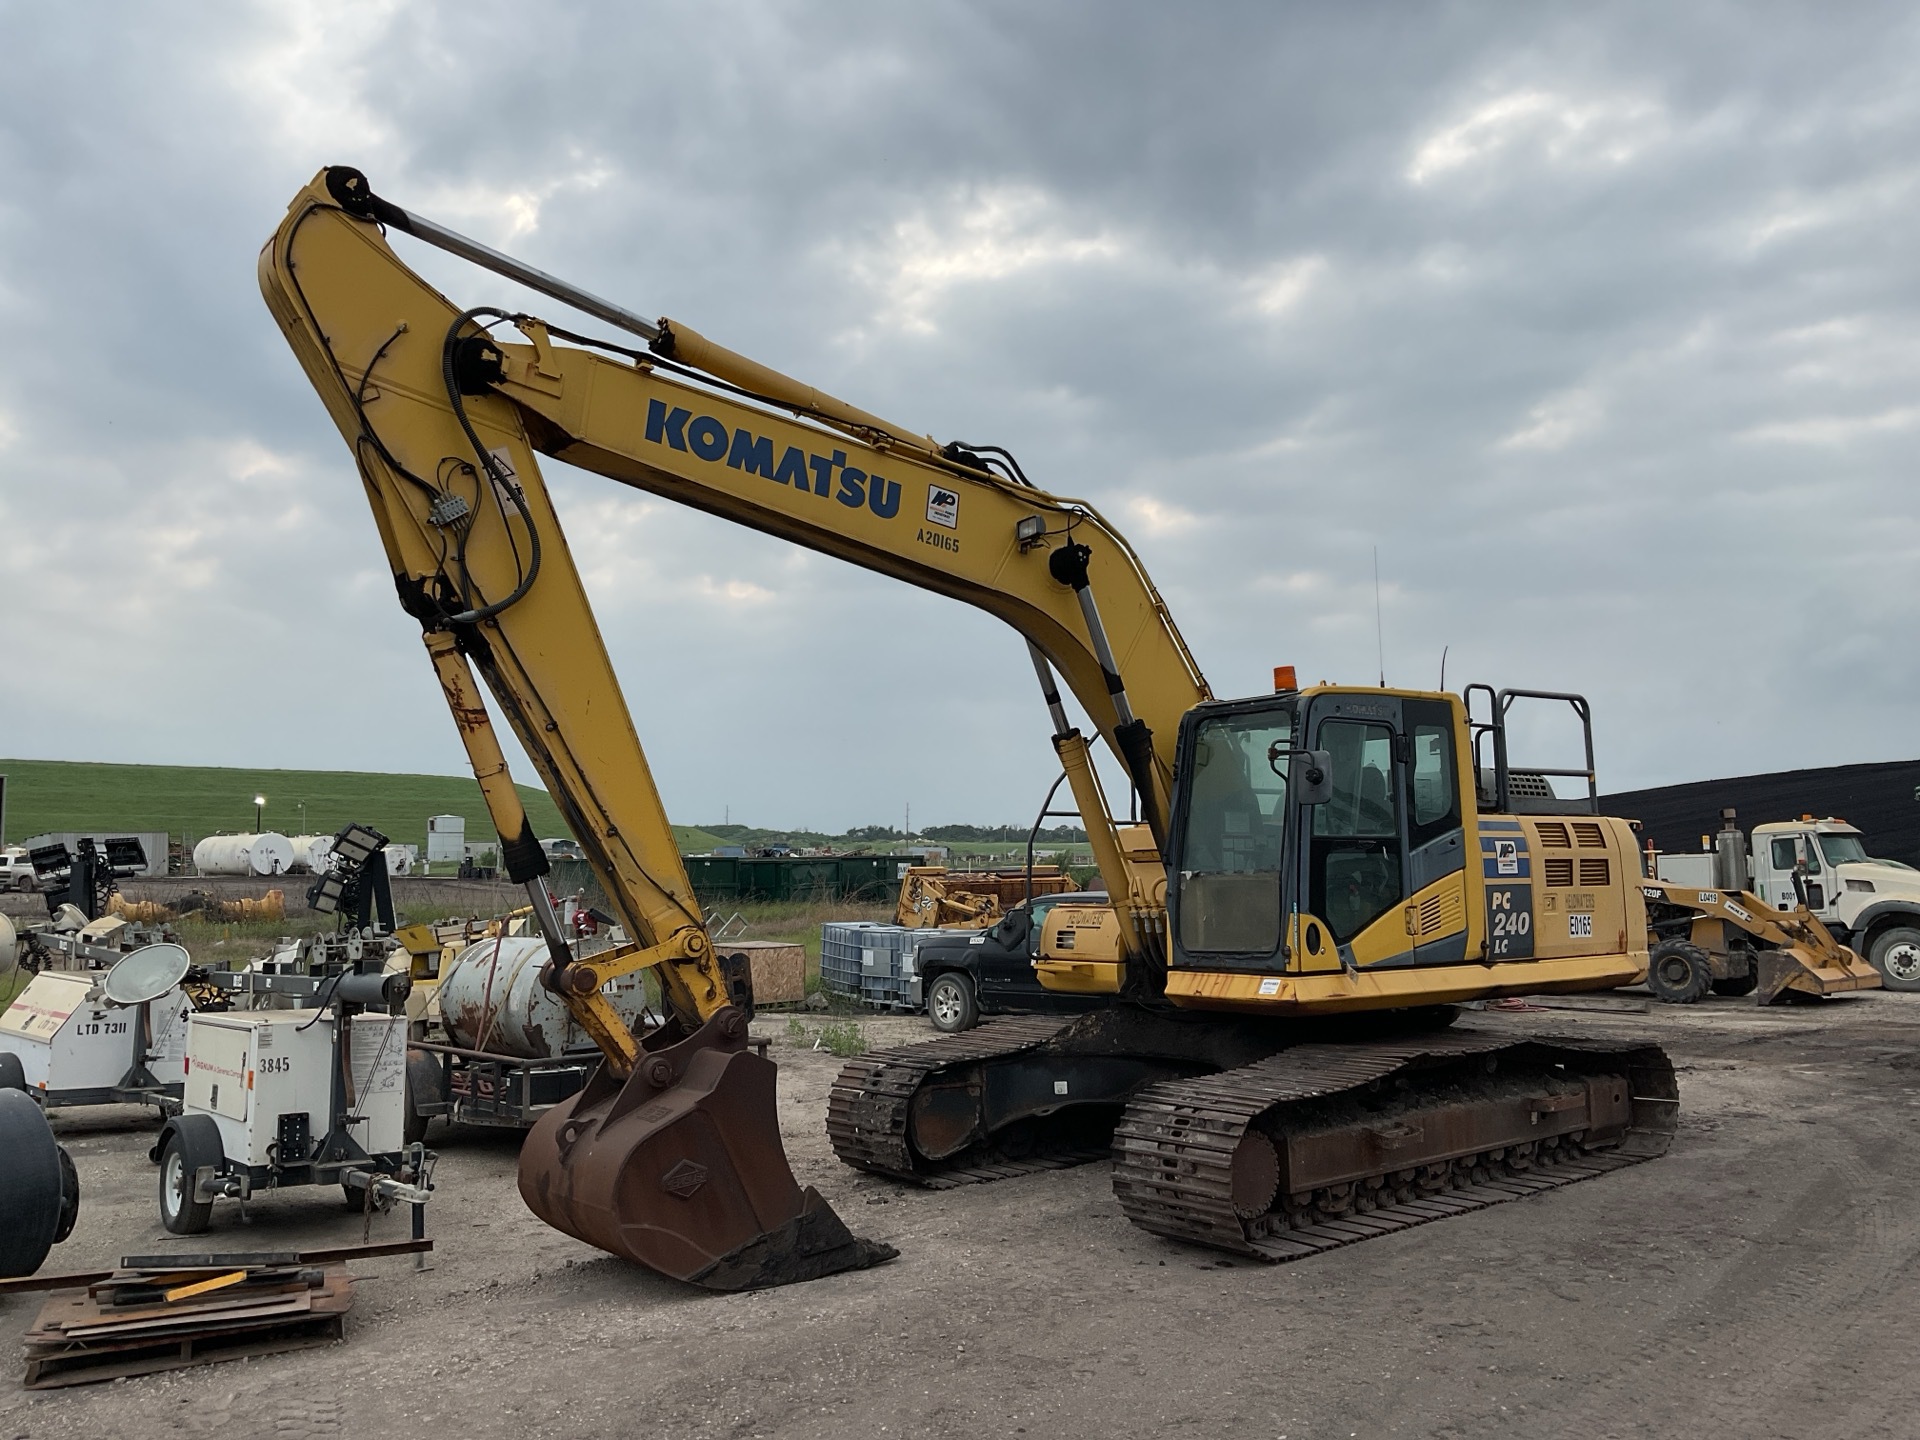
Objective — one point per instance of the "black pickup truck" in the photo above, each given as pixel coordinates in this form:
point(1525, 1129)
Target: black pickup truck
point(991, 973)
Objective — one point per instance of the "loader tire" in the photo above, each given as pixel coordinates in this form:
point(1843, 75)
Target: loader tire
point(1678, 972)
point(1896, 955)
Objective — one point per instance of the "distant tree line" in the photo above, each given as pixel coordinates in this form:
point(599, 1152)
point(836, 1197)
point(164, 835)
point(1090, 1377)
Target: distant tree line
point(882, 834)
point(1000, 832)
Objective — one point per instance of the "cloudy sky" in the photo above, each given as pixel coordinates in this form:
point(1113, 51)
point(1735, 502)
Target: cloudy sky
point(1599, 324)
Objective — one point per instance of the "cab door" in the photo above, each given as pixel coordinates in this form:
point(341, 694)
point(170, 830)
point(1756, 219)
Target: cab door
point(1356, 849)
point(1386, 855)
point(1003, 963)
point(1784, 855)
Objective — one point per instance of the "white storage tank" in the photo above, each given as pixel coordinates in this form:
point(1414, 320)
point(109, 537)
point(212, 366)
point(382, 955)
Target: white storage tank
point(223, 855)
point(491, 999)
point(310, 852)
point(400, 859)
point(270, 853)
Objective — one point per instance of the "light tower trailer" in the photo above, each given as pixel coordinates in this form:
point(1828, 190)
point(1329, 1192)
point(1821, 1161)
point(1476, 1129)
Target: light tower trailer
point(279, 1098)
point(108, 1027)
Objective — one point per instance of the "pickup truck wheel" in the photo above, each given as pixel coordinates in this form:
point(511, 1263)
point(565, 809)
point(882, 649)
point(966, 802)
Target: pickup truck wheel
point(951, 1004)
point(1896, 955)
point(1678, 972)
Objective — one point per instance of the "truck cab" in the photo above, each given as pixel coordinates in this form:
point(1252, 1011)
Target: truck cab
point(964, 978)
point(1870, 904)
point(16, 870)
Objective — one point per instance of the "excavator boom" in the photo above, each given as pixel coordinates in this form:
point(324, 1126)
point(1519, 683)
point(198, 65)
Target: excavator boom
point(671, 1156)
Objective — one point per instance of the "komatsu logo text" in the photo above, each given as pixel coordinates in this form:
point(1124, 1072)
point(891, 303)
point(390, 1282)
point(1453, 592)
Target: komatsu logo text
point(820, 475)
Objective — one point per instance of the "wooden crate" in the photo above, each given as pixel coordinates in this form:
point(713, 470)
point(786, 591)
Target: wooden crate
point(779, 970)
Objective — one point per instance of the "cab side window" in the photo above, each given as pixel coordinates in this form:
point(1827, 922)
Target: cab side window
point(1784, 858)
point(1432, 778)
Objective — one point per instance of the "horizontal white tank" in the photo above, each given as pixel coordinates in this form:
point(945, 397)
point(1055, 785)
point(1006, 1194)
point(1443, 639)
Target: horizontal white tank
point(267, 854)
point(310, 852)
point(399, 861)
point(222, 855)
point(492, 1000)
point(270, 853)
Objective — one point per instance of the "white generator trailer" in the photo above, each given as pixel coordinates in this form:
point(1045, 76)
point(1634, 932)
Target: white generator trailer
point(281, 1098)
point(101, 1037)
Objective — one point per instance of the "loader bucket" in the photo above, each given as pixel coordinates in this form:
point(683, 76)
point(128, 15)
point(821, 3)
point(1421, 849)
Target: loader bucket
point(1806, 971)
point(680, 1168)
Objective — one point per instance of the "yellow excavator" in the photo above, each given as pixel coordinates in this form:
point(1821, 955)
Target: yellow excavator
point(1316, 875)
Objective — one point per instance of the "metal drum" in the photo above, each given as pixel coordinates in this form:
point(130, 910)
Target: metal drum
point(492, 999)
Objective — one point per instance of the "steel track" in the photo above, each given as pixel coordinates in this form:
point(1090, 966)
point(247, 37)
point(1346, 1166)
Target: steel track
point(1175, 1145)
point(868, 1107)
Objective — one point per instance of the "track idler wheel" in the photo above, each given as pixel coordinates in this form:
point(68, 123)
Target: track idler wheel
point(680, 1167)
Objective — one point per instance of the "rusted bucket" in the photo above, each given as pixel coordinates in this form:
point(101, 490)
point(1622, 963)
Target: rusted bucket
point(681, 1168)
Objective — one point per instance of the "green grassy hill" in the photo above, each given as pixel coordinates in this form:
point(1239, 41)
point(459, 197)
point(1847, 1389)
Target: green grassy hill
point(196, 800)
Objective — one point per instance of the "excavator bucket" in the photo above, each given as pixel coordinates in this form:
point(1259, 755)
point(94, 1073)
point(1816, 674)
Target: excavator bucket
point(680, 1167)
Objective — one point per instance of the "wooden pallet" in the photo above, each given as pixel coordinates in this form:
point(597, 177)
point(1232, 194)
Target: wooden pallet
point(83, 1336)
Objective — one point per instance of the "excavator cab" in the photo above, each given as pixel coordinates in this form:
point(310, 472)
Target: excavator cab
point(1335, 849)
point(1335, 806)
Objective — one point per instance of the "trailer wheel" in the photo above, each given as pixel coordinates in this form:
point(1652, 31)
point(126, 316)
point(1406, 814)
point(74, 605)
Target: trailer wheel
point(1678, 972)
point(426, 1084)
point(951, 1005)
point(13, 1075)
point(1896, 955)
point(192, 1143)
point(33, 1195)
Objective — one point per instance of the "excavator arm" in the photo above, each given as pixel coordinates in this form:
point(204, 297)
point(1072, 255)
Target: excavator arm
point(445, 422)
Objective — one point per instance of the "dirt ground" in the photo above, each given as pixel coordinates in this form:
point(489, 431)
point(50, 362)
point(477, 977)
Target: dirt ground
point(1753, 1283)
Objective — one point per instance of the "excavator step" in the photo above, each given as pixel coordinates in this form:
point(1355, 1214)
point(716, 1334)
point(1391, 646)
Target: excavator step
point(1321, 1146)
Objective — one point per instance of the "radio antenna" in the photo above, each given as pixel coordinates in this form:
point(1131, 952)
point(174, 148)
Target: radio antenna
point(1379, 631)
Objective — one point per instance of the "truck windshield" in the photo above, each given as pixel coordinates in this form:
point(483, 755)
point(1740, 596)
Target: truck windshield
point(1228, 891)
point(1843, 849)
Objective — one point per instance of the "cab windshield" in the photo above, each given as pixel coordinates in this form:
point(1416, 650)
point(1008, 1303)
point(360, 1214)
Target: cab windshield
point(1843, 849)
point(1228, 894)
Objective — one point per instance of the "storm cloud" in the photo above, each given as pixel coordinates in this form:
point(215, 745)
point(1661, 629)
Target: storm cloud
point(1597, 324)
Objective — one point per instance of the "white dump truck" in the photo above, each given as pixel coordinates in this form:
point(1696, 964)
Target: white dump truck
point(1870, 905)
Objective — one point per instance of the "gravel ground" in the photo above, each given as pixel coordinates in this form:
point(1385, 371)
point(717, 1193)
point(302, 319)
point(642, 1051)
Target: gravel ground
point(1749, 1284)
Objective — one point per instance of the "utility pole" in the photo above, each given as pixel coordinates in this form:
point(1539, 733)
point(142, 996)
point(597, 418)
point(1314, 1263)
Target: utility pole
point(909, 835)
